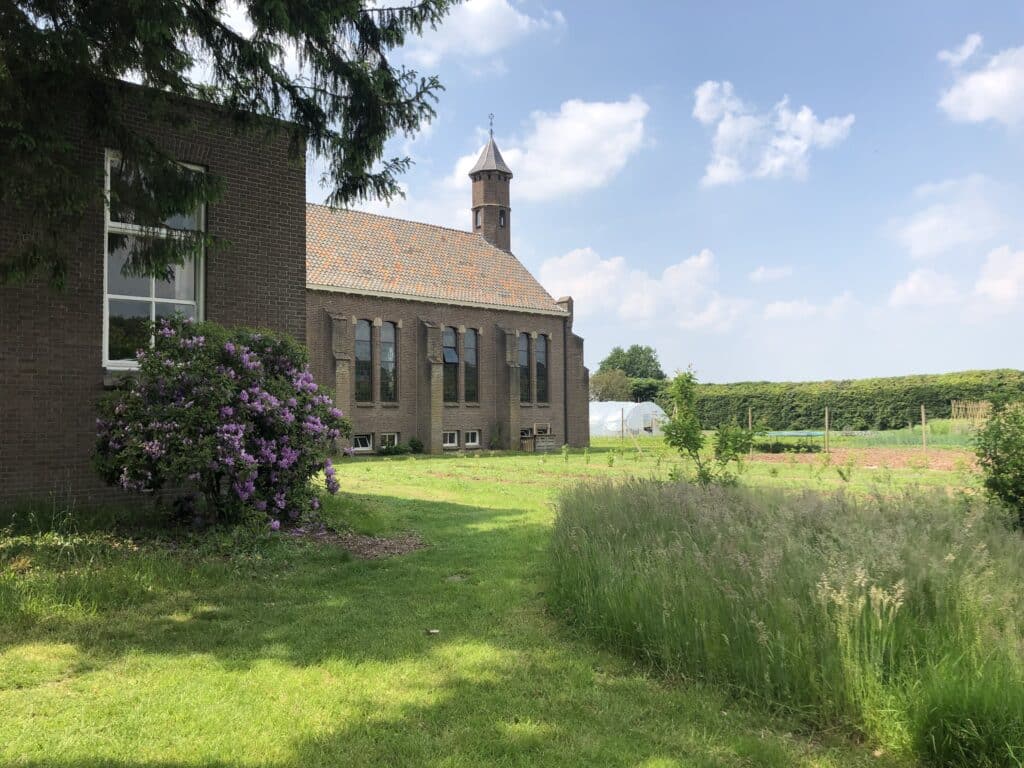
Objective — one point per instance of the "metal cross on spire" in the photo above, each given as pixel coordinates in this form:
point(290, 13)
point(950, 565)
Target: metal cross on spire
point(491, 118)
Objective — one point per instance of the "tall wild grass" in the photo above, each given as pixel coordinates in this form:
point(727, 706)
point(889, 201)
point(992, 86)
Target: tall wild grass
point(894, 617)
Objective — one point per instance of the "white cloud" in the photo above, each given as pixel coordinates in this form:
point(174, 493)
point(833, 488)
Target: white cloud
point(593, 282)
point(748, 144)
point(1001, 281)
point(994, 91)
point(765, 274)
point(581, 146)
point(802, 308)
point(957, 56)
point(958, 214)
point(479, 29)
point(925, 288)
point(787, 309)
point(684, 295)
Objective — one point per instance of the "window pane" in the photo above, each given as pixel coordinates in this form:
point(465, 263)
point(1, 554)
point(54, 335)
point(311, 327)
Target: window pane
point(451, 355)
point(169, 310)
point(524, 368)
point(388, 364)
point(182, 284)
point(541, 355)
point(129, 328)
point(469, 345)
point(131, 203)
point(364, 362)
point(118, 249)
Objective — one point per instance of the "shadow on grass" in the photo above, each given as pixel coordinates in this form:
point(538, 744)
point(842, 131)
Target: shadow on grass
point(289, 601)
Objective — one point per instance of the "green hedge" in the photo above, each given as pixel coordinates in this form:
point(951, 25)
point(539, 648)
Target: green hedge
point(889, 403)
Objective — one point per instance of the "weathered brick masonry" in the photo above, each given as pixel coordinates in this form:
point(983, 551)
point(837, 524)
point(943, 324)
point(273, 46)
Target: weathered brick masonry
point(51, 371)
point(420, 410)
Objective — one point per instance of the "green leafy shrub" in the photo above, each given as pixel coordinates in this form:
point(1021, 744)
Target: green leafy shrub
point(230, 421)
point(415, 445)
point(684, 433)
point(862, 404)
point(1000, 448)
point(847, 612)
point(398, 449)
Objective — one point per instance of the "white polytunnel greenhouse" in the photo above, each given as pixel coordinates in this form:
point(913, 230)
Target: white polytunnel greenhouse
point(614, 419)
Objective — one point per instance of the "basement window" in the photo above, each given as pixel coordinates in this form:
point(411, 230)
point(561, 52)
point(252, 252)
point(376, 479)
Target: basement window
point(472, 438)
point(361, 443)
point(450, 440)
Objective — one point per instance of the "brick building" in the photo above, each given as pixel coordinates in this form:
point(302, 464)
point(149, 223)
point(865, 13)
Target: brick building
point(58, 348)
point(440, 334)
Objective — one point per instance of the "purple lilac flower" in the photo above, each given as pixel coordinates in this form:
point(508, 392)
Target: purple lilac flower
point(336, 413)
point(229, 348)
point(279, 500)
point(288, 457)
point(314, 504)
point(275, 524)
point(246, 489)
point(260, 505)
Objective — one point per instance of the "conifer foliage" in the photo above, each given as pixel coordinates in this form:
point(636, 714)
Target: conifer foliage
point(321, 65)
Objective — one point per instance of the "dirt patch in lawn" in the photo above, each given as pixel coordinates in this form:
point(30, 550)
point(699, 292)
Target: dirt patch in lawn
point(359, 545)
point(877, 458)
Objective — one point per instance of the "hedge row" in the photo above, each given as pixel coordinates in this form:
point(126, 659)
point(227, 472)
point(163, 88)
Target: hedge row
point(889, 403)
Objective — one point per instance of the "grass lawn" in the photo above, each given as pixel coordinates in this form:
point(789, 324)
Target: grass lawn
point(145, 652)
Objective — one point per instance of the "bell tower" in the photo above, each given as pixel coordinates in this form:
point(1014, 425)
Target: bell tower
point(492, 215)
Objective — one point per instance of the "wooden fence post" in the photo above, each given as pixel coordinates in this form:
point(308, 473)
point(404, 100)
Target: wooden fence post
point(924, 430)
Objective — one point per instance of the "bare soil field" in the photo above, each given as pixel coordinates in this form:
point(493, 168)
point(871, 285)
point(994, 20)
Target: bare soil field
point(877, 458)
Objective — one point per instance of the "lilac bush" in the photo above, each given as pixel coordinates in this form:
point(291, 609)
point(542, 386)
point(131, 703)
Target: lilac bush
point(231, 419)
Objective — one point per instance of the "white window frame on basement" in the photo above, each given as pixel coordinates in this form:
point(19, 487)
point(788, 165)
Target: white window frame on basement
point(387, 440)
point(471, 438)
point(366, 439)
point(135, 230)
point(446, 443)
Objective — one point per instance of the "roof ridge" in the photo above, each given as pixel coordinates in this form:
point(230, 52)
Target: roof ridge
point(412, 221)
point(398, 218)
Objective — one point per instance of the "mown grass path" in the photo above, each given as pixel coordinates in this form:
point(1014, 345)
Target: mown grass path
point(295, 655)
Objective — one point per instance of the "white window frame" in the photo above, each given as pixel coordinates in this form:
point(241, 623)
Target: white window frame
point(135, 230)
point(362, 449)
point(446, 443)
point(471, 443)
point(387, 440)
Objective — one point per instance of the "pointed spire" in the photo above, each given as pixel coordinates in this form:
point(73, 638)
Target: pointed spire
point(491, 159)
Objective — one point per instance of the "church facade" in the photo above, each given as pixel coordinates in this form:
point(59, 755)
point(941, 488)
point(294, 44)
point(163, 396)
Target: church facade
point(442, 335)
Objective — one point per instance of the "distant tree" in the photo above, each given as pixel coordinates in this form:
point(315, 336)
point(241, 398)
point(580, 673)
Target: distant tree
point(610, 385)
point(637, 362)
point(320, 65)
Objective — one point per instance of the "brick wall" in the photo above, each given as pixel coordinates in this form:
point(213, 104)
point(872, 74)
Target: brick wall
point(51, 372)
point(420, 411)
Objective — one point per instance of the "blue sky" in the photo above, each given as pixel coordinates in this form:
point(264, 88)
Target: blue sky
point(764, 191)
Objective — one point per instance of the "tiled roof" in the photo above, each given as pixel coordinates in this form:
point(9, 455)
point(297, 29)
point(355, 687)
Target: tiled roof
point(365, 253)
point(491, 160)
